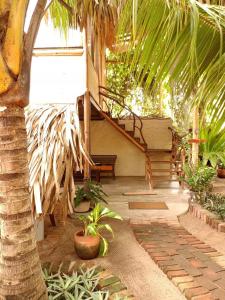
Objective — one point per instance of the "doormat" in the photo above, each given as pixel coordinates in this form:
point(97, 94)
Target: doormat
point(141, 193)
point(147, 205)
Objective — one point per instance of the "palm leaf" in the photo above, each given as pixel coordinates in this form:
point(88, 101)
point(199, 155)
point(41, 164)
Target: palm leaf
point(179, 41)
point(101, 14)
point(55, 152)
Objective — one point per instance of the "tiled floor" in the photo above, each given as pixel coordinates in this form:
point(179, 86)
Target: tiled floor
point(168, 192)
point(126, 259)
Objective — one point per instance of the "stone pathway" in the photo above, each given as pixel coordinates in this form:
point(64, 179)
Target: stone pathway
point(194, 267)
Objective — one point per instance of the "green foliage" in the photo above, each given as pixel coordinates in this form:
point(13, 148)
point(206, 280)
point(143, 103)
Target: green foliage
point(180, 110)
point(102, 15)
point(78, 286)
point(169, 41)
point(94, 227)
point(198, 179)
point(216, 204)
point(91, 191)
point(213, 150)
point(221, 164)
point(121, 79)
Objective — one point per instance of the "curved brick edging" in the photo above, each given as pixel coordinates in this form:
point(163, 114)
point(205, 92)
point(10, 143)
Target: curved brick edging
point(107, 280)
point(207, 217)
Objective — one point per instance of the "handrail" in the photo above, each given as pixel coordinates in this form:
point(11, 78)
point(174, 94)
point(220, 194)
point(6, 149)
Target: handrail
point(120, 100)
point(177, 146)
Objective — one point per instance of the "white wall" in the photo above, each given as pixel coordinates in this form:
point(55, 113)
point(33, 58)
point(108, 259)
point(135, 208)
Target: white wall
point(105, 139)
point(155, 132)
point(57, 79)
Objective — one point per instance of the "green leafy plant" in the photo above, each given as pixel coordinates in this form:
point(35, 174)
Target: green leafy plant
point(216, 204)
point(78, 286)
point(221, 164)
point(92, 192)
point(212, 151)
point(94, 227)
point(198, 179)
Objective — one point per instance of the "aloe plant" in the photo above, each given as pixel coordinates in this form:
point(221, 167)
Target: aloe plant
point(94, 227)
point(80, 285)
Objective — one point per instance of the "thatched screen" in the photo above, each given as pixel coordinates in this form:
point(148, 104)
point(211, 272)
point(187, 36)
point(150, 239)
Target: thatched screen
point(55, 152)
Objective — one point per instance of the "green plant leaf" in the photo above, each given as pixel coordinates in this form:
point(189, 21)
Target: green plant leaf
point(104, 246)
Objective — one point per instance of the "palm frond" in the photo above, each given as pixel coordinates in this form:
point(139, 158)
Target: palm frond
point(182, 40)
point(213, 150)
point(55, 152)
point(102, 15)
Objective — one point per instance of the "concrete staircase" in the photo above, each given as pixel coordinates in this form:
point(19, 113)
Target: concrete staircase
point(161, 165)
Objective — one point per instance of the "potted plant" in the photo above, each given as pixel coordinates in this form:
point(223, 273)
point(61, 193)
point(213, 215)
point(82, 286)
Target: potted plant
point(88, 196)
point(199, 181)
point(89, 243)
point(221, 169)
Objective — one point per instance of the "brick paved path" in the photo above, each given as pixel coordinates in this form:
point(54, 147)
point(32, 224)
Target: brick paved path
point(194, 267)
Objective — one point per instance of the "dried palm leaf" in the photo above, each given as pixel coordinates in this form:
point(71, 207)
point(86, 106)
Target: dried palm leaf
point(55, 151)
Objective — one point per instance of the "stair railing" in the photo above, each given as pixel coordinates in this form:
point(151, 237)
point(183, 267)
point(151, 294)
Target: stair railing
point(109, 95)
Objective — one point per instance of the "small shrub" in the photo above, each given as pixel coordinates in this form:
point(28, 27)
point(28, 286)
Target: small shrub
point(198, 179)
point(215, 203)
point(92, 192)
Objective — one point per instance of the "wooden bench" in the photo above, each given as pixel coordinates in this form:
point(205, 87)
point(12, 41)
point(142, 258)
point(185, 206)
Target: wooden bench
point(103, 164)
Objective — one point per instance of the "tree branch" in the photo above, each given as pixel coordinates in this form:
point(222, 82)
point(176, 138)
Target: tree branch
point(29, 40)
point(34, 24)
point(47, 7)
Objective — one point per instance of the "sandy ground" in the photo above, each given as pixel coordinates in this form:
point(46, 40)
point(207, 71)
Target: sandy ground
point(204, 232)
point(126, 259)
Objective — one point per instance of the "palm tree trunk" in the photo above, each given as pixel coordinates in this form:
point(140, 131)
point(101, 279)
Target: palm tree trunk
point(20, 269)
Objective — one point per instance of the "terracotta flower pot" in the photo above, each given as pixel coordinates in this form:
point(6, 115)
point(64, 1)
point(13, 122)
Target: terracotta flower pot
point(221, 172)
point(87, 247)
point(83, 207)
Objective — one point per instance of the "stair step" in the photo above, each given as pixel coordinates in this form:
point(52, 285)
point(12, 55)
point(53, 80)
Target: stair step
point(115, 120)
point(159, 150)
point(161, 161)
point(143, 145)
point(122, 126)
point(163, 178)
point(130, 132)
point(162, 170)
